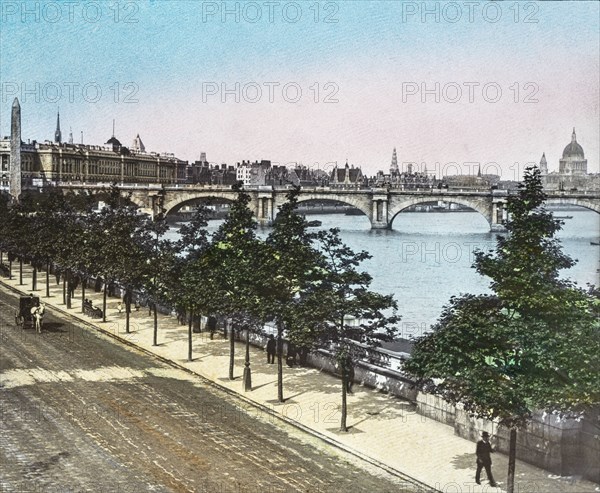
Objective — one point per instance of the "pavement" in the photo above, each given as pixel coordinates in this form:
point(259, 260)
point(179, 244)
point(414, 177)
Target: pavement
point(384, 430)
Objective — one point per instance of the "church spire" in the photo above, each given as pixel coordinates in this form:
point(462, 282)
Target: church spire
point(394, 166)
point(70, 135)
point(57, 134)
point(543, 165)
point(573, 137)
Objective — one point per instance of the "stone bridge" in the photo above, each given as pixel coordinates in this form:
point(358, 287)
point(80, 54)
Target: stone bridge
point(380, 205)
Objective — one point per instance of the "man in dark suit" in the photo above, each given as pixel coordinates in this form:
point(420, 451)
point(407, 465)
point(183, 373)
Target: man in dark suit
point(483, 451)
point(271, 349)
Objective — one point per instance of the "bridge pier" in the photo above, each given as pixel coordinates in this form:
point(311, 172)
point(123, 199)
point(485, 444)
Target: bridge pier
point(499, 213)
point(264, 207)
point(156, 203)
point(380, 210)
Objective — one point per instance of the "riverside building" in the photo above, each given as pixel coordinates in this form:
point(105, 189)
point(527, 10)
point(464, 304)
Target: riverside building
point(39, 163)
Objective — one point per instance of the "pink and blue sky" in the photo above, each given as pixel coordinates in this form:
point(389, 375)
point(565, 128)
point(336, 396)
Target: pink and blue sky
point(158, 63)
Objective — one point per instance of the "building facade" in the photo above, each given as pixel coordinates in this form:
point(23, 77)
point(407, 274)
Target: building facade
point(38, 163)
point(347, 177)
point(573, 161)
point(572, 170)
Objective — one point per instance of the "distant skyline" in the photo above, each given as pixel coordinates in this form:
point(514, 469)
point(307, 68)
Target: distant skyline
point(158, 68)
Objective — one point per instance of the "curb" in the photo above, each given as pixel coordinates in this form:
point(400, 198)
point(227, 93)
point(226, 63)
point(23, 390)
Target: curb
point(232, 393)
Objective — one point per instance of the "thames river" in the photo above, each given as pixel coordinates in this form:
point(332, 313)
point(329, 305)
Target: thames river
point(427, 257)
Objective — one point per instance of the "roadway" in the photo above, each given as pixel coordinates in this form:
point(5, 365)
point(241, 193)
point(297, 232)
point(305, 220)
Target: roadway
point(80, 412)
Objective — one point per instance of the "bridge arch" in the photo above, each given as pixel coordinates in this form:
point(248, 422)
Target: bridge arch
point(356, 202)
point(587, 204)
point(482, 207)
point(174, 201)
point(101, 195)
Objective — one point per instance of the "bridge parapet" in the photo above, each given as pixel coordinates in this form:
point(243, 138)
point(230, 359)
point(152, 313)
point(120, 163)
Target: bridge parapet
point(380, 205)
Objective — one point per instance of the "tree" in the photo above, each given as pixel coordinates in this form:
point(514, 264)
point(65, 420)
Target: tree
point(337, 295)
point(234, 255)
point(19, 233)
point(60, 227)
point(47, 230)
point(532, 344)
point(192, 271)
point(122, 247)
point(286, 264)
point(161, 262)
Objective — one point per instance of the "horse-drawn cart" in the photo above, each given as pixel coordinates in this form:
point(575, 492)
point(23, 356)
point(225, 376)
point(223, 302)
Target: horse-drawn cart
point(29, 308)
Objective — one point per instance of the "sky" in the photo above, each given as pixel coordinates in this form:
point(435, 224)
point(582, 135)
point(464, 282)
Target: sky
point(451, 85)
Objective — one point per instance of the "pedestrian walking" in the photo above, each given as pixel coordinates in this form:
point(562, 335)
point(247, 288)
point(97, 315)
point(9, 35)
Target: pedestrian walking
point(271, 349)
point(483, 451)
point(120, 306)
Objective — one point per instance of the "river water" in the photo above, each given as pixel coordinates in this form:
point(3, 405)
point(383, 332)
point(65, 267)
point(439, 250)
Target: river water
point(427, 256)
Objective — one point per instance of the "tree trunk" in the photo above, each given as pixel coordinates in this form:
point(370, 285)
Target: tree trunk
point(69, 291)
point(47, 279)
point(231, 350)
point(343, 426)
point(64, 288)
point(20, 272)
point(155, 336)
point(512, 457)
point(127, 309)
point(10, 270)
point(191, 322)
point(280, 362)
point(104, 302)
point(34, 277)
point(83, 283)
point(247, 372)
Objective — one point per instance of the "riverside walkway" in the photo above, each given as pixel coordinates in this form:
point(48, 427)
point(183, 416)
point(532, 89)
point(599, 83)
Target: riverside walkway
point(384, 430)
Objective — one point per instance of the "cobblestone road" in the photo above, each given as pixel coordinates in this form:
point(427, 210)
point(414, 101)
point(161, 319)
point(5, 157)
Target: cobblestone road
point(79, 412)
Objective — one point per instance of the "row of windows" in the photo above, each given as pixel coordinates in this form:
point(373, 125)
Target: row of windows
point(100, 170)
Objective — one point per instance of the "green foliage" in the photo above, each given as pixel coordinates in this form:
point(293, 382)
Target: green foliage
point(193, 235)
point(186, 276)
point(287, 262)
point(124, 242)
point(338, 293)
point(161, 261)
point(525, 265)
point(235, 253)
point(533, 344)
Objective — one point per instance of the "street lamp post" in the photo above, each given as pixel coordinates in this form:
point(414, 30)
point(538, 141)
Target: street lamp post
point(247, 371)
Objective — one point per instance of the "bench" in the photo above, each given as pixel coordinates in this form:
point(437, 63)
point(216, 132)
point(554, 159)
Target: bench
point(96, 313)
